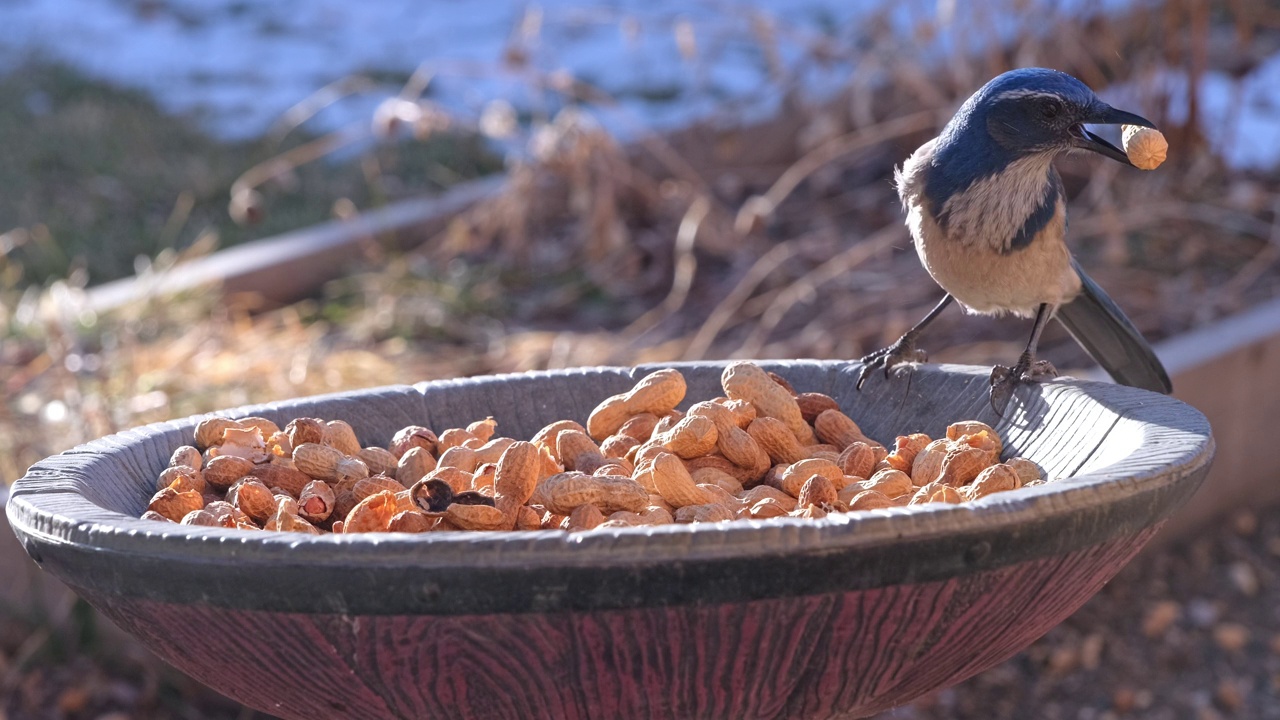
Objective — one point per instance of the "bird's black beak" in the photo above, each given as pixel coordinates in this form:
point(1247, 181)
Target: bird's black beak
point(1103, 114)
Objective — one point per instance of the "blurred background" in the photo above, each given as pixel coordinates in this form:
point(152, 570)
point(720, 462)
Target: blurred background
point(207, 203)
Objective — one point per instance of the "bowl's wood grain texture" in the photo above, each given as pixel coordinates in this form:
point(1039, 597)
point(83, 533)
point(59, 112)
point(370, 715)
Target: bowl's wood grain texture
point(783, 618)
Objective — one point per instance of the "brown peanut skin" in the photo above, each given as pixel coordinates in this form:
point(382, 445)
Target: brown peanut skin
point(410, 437)
point(252, 498)
point(515, 478)
point(905, 449)
point(858, 460)
point(562, 493)
point(174, 505)
point(691, 437)
point(379, 460)
point(278, 476)
point(657, 393)
point(413, 465)
point(776, 440)
point(411, 521)
point(577, 451)
point(836, 428)
point(223, 471)
point(341, 436)
point(639, 426)
point(797, 474)
point(182, 478)
point(817, 490)
point(812, 405)
point(744, 381)
point(304, 430)
point(372, 514)
point(674, 483)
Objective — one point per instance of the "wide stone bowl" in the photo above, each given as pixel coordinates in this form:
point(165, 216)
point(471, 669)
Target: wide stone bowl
point(839, 617)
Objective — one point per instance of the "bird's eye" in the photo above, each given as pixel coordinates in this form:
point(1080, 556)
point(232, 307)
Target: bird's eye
point(1050, 108)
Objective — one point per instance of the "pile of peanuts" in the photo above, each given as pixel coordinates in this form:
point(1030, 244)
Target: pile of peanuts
point(761, 451)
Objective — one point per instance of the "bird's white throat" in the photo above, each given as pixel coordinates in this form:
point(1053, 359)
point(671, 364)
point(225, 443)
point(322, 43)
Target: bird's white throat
point(992, 210)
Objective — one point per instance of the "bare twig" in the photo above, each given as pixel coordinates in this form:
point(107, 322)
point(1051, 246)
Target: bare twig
point(831, 150)
point(807, 285)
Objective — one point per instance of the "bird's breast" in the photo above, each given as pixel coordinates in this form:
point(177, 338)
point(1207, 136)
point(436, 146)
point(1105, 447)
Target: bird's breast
point(988, 279)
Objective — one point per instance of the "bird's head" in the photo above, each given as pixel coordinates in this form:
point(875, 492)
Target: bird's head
point(1034, 110)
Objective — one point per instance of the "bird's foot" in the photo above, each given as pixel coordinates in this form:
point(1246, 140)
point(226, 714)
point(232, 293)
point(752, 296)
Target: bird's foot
point(902, 351)
point(1005, 379)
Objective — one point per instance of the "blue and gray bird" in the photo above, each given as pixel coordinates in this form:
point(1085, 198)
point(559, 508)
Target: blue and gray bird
point(988, 215)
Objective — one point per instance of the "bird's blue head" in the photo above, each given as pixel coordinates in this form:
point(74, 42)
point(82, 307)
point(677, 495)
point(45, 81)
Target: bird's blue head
point(1035, 110)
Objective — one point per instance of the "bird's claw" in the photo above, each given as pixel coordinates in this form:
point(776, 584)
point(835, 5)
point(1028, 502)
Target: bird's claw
point(1005, 379)
point(902, 351)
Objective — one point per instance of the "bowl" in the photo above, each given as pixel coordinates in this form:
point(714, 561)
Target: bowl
point(797, 618)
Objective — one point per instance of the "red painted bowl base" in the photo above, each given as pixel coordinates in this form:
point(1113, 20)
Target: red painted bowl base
point(847, 654)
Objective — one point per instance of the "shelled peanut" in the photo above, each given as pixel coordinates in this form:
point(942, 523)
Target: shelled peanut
point(760, 451)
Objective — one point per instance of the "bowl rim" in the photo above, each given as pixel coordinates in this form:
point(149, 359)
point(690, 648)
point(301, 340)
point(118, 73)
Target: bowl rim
point(68, 533)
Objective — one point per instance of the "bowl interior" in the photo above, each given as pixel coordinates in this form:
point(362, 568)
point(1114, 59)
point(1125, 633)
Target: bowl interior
point(1066, 428)
point(1128, 458)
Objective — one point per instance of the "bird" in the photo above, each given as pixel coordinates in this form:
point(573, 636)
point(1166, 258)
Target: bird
point(987, 215)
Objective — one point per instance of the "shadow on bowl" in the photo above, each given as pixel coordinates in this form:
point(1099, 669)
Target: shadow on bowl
point(784, 618)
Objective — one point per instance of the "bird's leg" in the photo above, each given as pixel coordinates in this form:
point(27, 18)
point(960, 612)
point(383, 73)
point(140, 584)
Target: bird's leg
point(904, 350)
point(1027, 369)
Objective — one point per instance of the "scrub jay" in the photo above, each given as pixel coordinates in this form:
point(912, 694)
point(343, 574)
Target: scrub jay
point(988, 215)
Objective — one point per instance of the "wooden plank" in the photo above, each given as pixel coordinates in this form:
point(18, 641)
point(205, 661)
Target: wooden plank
point(1230, 371)
point(291, 266)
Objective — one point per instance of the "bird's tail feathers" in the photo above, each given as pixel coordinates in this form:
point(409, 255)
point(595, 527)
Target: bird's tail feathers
point(1102, 329)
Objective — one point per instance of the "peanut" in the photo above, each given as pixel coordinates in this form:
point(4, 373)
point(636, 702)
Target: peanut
point(674, 483)
point(714, 512)
point(411, 521)
point(797, 474)
point(182, 478)
point(858, 460)
point(564, 492)
point(905, 450)
point(380, 461)
point(278, 476)
point(584, 517)
point(1146, 147)
point(475, 517)
point(372, 514)
point(639, 426)
point(410, 437)
point(304, 430)
point(413, 465)
point(515, 478)
point(836, 428)
point(817, 490)
point(997, 478)
point(744, 381)
point(869, 500)
point(252, 498)
point(209, 432)
point(692, 436)
point(776, 440)
point(316, 501)
point(813, 404)
point(656, 393)
point(341, 437)
point(174, 505)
